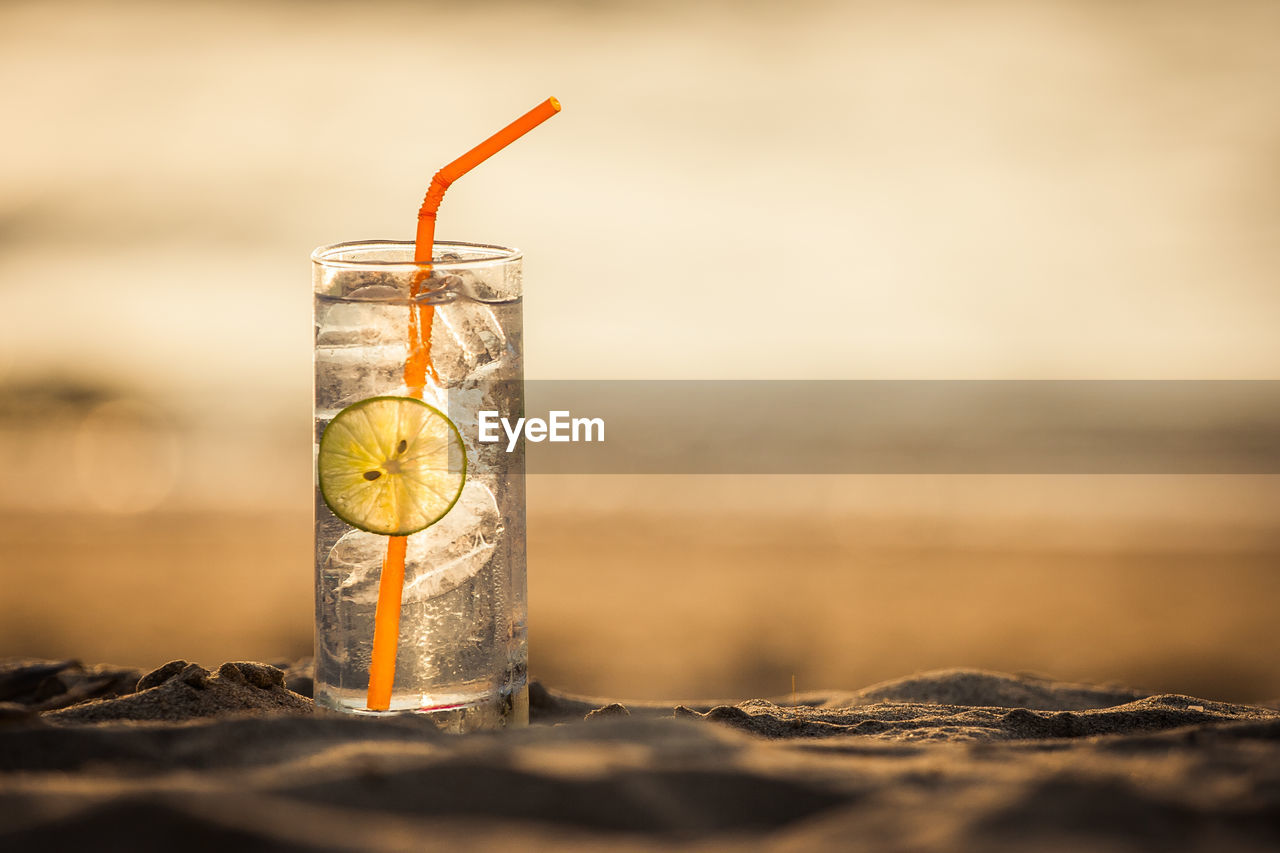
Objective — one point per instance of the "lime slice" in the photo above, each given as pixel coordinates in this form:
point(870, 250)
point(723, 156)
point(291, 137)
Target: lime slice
point(391, 465)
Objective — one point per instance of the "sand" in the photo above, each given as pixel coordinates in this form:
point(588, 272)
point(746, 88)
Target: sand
point(945, 761)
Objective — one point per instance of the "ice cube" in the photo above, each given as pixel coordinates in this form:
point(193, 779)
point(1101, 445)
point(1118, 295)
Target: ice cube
point(356, 324)
point(466, 337)
point(456, 547)
point(344, 375)
point(439, 289)
point(437, 560)
point(346, 283)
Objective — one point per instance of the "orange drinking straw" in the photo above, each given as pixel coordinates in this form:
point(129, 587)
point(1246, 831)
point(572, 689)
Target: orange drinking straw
point(417, 369)
point(450, 173)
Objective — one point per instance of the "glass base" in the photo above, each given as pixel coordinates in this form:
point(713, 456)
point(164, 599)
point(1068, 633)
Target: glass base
point(458, 713)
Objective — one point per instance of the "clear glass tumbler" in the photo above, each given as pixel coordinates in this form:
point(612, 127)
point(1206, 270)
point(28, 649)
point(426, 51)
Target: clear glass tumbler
point(462, 652)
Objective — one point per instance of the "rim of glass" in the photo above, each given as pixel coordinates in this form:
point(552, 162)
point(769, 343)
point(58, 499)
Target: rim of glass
point(490, 255)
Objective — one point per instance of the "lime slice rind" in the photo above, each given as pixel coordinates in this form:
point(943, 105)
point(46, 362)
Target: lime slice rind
point(391, 465)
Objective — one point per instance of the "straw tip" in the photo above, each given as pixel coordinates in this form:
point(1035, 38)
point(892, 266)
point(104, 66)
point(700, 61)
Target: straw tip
point(555, 103)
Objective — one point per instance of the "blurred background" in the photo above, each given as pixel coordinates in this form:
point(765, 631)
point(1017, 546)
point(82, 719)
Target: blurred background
point(937, 190)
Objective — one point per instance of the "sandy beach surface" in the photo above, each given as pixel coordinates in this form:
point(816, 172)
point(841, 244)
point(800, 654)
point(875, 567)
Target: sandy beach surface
point(184, 758)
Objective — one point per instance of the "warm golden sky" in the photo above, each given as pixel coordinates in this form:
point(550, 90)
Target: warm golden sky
point(807, 190)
